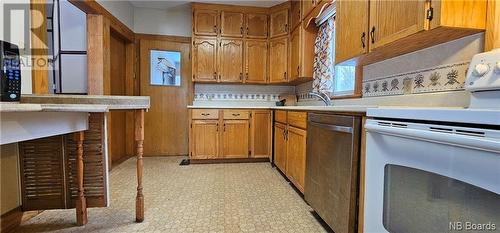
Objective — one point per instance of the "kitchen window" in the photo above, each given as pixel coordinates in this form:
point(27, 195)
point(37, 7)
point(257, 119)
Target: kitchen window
point(344, 75)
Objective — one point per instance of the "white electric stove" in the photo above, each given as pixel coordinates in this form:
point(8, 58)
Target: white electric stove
point(437, 169)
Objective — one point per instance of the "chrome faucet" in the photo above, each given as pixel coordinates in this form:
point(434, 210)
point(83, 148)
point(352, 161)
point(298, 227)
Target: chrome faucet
point(324, 97)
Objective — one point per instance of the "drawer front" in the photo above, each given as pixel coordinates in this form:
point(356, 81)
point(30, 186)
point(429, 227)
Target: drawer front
point(205, 114)
point(280, 116)
point(236, 114)
point(297, 119)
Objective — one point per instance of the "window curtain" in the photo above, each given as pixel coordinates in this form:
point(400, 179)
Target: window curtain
point(324, 48)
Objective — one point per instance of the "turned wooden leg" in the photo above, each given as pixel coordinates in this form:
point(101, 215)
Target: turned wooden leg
point(81, 202)
point(139, 140)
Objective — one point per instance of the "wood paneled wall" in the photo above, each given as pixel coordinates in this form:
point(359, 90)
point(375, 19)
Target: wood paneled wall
point(39, 48)
point(166, 123)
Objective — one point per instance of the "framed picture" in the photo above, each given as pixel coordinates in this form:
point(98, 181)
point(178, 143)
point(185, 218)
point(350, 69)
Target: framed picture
point(165, 68)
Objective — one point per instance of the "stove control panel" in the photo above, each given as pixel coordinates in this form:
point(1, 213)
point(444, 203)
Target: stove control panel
point(484, 72)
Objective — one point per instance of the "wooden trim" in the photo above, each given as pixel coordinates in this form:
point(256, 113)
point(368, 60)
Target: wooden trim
point(39, 48)
point(92, 7)
point(341, 97)
point(180, 39)
point(492, 34)
point(228, 160)
point(98, 57)
point(12, 219)
point(225, 7)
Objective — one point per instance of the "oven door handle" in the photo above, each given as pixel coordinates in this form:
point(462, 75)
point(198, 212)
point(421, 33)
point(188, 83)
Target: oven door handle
point(473, 142)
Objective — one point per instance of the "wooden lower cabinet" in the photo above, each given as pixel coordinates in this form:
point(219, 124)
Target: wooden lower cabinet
point(230, 134)
point(280, 146)
point(235, 139)
point(296, 156)
point(290, 147)
point(204, 139)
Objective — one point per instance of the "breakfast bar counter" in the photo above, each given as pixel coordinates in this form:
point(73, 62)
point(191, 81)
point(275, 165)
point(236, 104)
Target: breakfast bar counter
point(39, 116)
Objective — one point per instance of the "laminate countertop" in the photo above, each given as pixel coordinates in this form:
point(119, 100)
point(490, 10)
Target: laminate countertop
point(361, 109)
point(75, 103)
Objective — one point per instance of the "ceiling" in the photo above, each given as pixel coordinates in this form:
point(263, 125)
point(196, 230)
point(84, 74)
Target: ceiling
point(167, 4)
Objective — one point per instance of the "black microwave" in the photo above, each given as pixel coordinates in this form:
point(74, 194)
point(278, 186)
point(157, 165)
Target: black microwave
point(11, 72)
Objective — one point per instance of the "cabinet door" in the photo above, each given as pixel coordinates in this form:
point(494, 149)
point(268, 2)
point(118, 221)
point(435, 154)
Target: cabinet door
point(261, 134)
point(279, 23)
point(278, 54)
point(204, 59)
point(295, 54)
point(205, 139)
point(351, 33)
point(235, 137)
point(205, 22)
point(256, 26)
point(295, 16)
point(393, 20)
point(280, 146)
point(231, 60)
point(296, 156)
point(231, 24)
point(307, 6)
point(256, 61)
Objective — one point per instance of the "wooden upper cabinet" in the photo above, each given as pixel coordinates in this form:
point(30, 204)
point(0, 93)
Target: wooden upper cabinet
point(205, 139)
point(351, 33)
point(205, 59)
point(295, 16)
point(205, 22)
point(395, 19)
point(256, 25)
point(256, 56)
point(231, 24)
point(279, 23)
point(231, 60)
point(307, 7)
point(469, 14)
point(280, 146)
point(278, 54)
point(295, 42)
point(296, 156)
point(261, 134)
point(235, 138)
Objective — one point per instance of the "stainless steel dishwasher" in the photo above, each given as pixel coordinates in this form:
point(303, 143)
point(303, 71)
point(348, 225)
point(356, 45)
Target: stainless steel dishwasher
point(332, 168)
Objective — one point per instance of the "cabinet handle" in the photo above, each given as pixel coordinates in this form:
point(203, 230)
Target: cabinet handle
point(219, 77)
point(215, 28)
point(286, 27)
point(298, 70)
point(205, 114)
point(217, 129)
point(241, 30)
point(224, 127)
point(236, 114)
point(363, 37)
point(215, 75)
point(241, 76)
point(284, 76)
point(247, 31)
point(372, 34)
point(246, 76)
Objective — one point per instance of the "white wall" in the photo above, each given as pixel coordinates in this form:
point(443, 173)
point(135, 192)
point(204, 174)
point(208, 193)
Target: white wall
point(122, 10)
point(175, 21)
point(451, 52)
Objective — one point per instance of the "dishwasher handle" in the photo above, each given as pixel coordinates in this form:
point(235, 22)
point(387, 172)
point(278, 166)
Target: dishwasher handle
point(343, 129)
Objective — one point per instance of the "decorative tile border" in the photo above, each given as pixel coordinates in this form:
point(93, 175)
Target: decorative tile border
point(235, 97)
point(440, 78)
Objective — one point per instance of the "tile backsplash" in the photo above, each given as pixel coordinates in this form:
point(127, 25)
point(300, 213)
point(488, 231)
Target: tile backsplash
point(441, 78)
point(211, 93)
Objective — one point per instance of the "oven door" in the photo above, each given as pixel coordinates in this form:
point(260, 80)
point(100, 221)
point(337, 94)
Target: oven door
point(431, 178)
